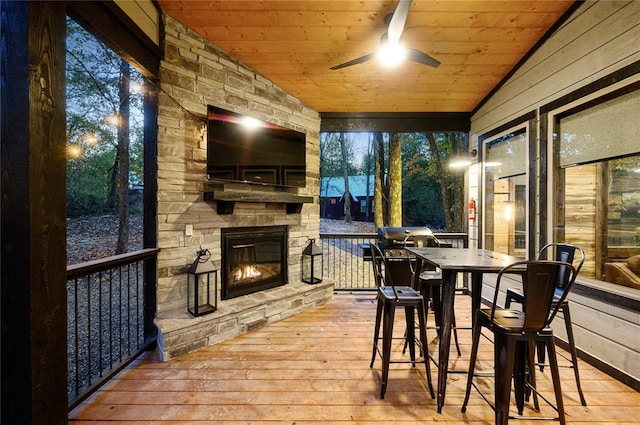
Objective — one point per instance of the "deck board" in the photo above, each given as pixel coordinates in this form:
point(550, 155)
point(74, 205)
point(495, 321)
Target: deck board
point(313, 368)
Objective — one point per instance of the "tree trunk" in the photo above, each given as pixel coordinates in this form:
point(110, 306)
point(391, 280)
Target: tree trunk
point(112, 196)
point(368, 171)
point(459, 208)
point(123, 154)
point(395, 181)
point(345, 173)
point(378, 202)
point(442, 181)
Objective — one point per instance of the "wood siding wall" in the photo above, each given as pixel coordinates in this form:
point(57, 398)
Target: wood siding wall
point(600, 38)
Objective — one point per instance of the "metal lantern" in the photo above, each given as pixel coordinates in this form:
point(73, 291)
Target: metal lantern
point(312, 263)
point(202, 285)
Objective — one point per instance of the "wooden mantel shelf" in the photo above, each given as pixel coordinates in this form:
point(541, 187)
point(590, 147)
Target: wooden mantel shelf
point(226, 198)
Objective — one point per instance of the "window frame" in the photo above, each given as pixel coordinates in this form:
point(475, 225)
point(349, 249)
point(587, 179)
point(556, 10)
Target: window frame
point(528, 123)
point(552, 229)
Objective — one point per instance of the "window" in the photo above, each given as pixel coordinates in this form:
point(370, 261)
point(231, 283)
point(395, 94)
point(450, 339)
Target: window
point(596, 186)
point(505, 180)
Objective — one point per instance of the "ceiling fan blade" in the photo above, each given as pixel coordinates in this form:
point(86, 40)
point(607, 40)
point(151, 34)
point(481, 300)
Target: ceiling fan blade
point(356, 61)
point(399, 18)
point(421, 57)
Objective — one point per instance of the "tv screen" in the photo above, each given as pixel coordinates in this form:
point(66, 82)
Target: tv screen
point(243, 149)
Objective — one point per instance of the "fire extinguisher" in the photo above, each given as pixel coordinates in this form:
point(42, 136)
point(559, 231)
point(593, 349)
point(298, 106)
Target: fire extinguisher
point(472, 209)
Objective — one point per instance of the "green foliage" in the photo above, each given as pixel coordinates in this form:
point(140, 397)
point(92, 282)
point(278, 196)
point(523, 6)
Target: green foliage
point(425, 175)
point(86, 189)
point(421, 194)
point(331, 155)
point(93, 79)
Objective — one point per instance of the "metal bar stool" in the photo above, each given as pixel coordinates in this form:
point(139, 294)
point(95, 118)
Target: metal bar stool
point(389, 298)
point(516, 332)
point(567, 253)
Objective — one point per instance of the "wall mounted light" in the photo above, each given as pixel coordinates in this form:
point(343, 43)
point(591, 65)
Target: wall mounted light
point(459, 162)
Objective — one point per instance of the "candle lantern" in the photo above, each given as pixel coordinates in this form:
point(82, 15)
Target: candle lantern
point(312, 263)
point(202, 285)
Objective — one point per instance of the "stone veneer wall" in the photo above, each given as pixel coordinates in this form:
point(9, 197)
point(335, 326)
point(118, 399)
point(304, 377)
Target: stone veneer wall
point(195, 74)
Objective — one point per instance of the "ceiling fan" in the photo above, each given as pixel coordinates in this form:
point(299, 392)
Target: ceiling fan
point(390, 41)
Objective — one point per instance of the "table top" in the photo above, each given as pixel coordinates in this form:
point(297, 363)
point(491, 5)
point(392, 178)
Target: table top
point(464, 259)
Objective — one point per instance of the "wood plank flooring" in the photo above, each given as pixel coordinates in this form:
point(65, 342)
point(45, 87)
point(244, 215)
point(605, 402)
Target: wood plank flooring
point(313, 368)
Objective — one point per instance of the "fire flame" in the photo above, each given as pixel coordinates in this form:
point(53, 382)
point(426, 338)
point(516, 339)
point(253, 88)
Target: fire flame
point(246, 272)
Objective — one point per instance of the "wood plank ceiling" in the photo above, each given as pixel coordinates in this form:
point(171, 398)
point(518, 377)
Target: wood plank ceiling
point(294, 43)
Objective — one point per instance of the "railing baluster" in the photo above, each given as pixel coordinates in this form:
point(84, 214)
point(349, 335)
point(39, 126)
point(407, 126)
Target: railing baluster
point(76, 339)
point(89, 334)
point(100, 330)
point(120, 314)
point(128, 344)
point(87, 327)
point(110, 318)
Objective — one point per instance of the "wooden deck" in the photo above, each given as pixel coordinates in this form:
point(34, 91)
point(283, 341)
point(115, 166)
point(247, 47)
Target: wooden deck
point(314, 369)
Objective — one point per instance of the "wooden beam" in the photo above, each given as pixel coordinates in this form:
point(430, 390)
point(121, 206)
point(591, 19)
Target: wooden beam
point(111, 25)
point(34, 315)
point(395, 122)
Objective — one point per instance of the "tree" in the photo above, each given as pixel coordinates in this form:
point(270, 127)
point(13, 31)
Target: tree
point(395, 180)
point(378, 194)
point(345, 173)
point(441, 146)
point(412, 184)
point(421, 195)
point(104, 125)
point(330, 163)
point(368, 166)
point(123, 158)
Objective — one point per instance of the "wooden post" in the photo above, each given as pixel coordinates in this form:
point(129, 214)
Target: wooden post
point(34, 315)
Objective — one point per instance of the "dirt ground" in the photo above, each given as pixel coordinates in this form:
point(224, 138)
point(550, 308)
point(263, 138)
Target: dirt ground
point(93, 237)
point(339, 226)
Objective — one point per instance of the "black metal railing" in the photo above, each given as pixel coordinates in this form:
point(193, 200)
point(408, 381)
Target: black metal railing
point(344, 258)
point(109, 319)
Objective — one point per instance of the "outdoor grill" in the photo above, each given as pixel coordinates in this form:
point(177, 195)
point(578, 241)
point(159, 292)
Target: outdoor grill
point(392, 242)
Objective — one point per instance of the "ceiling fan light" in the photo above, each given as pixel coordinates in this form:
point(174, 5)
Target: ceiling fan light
point(391, 54)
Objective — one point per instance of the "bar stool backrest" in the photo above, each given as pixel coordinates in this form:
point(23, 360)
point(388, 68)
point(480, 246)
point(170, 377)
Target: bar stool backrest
point(539, 279)
point(567, 253)
point(379, 263)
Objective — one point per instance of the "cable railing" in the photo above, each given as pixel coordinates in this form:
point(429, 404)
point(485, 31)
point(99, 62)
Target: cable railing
point(344, 260)
point(110, 306)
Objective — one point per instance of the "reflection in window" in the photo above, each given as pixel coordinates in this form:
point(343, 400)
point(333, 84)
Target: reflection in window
point(602, 212)
point(598, 192)
point(506, 194)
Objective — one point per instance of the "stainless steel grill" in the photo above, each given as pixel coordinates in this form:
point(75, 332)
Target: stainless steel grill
point(392, 241)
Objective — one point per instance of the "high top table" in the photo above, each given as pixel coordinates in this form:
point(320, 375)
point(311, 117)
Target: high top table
point(451, 261)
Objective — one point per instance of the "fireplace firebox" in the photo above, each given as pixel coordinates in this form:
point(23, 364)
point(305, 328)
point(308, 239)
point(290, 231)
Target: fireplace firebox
point(253, 259)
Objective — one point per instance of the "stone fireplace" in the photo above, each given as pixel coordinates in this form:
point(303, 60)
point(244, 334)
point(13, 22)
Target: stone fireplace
point(192, 213)
point(253, 259)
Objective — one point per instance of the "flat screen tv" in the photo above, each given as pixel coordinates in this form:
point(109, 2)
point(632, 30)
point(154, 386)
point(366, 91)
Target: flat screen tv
point(243, 149)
